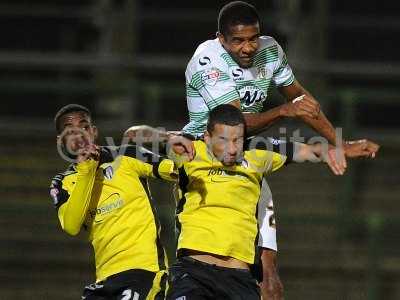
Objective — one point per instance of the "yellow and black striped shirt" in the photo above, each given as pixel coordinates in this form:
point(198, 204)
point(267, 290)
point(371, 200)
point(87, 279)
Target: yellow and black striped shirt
point(111, 200)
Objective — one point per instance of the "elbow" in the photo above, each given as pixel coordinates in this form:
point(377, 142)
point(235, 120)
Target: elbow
point(69, 227)
point(68, 222)
point(72, 231)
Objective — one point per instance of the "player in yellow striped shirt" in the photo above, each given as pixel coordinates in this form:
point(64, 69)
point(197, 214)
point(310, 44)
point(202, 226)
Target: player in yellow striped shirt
point(105, 192)
point(216, 212)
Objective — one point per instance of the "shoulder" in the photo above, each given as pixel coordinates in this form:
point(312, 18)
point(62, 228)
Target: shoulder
point(60, 184)
point(59, 178)
point(207, 55)
point(199, 145)
point(267, 41)
point(264, 159)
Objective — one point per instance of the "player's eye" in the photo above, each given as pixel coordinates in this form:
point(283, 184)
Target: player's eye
point(237, 41)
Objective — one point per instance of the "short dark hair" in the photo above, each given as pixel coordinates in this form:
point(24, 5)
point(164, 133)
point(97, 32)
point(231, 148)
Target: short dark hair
point(235, 13)
point(69, 108)
point(225, 114)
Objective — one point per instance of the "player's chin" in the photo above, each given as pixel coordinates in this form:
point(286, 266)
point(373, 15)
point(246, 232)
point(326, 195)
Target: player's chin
point(229, 161)
point(246, 62)
point(74, 148)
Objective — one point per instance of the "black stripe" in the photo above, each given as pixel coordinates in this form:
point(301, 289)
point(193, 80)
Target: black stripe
point(183, 183)
point(140, 153)
point(59, 195)
point(160, 248)
point(156, 167)
point(106, 155)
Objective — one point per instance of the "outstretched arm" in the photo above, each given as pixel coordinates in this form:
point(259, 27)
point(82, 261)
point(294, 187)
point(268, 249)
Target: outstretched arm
point(73, 212)
point(319, 123)
point(257, 122)
point(324, 127)
point(332, 156)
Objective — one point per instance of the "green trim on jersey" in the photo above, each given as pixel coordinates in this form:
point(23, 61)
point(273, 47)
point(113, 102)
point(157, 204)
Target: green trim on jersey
point(227, 98)
point(229, 60)
point(267, 55)
point(282, 67)
point(192, 92)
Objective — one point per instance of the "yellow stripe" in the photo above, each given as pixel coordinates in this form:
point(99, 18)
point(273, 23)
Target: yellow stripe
point(157, 287)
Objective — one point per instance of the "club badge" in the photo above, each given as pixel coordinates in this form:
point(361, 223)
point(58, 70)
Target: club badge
point(211, 76)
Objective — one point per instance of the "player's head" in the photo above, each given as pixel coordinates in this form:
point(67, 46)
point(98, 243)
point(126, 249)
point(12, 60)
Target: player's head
point(238, 31)
point(225, 133)
point(74, 127)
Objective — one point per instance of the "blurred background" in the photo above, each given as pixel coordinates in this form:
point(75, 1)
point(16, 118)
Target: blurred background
point(125, 60)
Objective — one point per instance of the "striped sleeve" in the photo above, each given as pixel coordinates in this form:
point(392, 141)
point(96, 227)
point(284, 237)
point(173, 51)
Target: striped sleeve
point(208, 85)
point(283, 74)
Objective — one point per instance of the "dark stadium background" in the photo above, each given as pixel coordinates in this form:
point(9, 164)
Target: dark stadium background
point(125, 60)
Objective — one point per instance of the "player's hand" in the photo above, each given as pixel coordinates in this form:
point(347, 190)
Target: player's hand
point(303, 106)
point(271, 286)
point(181, 145)
point(90, 151)
point(335, 159)
point(361, 148)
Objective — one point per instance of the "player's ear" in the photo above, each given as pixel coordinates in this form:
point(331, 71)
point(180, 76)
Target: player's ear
point(207, 137)
point(221, 37)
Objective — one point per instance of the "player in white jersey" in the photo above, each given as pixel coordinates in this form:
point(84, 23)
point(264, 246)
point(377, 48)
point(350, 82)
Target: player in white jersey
point(213, 78)
point(239, 67)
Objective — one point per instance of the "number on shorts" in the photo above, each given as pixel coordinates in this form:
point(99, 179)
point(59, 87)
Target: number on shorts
point(127, 295)
point(272, 222)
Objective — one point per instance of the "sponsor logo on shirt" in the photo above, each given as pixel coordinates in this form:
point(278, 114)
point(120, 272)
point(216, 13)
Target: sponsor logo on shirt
point(205, 60)
point(108, 172)
point(116, 203)
point(245, 164)
point(237, 73)
point(250, 94)
point(262, 73)
point(223, 173)
point(211, 76)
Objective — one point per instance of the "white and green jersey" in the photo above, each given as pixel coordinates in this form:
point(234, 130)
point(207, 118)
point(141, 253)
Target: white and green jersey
point(214, 78)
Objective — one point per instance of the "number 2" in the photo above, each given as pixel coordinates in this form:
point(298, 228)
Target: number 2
point(127, 295)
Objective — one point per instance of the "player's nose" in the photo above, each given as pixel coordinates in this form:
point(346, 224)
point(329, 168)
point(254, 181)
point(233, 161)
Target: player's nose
point(232, 149)
point(248, 49)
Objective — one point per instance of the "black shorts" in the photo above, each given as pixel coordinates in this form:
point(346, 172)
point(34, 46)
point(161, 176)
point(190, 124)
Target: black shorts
point(191, 279)
point(128, 285)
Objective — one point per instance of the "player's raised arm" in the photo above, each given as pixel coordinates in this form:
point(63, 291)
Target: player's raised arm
point(146, 163)
point(322, 125)
point(257, 122)
point(73, 211)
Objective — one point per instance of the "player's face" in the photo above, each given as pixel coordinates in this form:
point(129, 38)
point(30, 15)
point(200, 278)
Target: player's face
point(242, 43)
point(226, 143)
point(77, 131)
